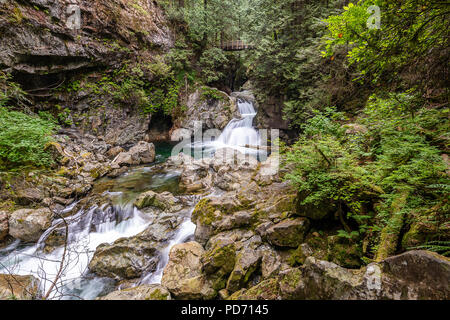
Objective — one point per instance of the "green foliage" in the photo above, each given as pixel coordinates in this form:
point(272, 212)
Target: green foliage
point(411, 32)
point(23, 139)
point(150, 87)
point(212, 64)
point(441, 247)
point(10, 91)
point(358, 170)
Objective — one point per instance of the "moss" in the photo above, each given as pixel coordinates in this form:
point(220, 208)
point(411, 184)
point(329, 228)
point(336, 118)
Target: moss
point(204, 212)
point(344, 252)
point(157, 295)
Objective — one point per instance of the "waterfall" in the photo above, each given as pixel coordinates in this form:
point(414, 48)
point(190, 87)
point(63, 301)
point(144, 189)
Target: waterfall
point(240, 132)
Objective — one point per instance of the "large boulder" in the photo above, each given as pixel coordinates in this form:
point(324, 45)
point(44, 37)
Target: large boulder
point(15, 287)
point(218, 262)
point(144, 292)
point(124, 259)
point(288, 233)
point(165, 201)
point(183, 275)
point(29, 224)
point(141, 153)
point(247, 262)
point(4, 226)
point(414, 275)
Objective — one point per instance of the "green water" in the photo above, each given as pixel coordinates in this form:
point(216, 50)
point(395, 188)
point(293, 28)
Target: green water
point(143, 178)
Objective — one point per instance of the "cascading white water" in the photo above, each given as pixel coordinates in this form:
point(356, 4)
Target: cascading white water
point(105, 224)
point(240, 132)
point(83, 238)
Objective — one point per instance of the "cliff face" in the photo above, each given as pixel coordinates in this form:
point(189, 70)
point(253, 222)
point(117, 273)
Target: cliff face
point(42, 37)
point(59, 52)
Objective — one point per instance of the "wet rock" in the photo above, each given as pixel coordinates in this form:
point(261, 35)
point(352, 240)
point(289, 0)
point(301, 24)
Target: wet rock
point(288, 233)
point(29, 224)
point(124, 259)
point(164, 201)
point(141, 153)
point(183, 275)
point(15, 287)
point(4, 225)
point(144, 292)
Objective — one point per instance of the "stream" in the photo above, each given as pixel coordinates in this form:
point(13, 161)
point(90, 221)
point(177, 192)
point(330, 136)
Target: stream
point(106, 223)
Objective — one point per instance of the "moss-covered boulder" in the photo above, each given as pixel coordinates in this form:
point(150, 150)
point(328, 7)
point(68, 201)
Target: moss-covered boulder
point(165, 201)
point(124, 259)
point(247, 262)
point(183, 275)
point(266, 290)
point(218, 262)
point(288, 233)
point(144, 292)
point(344, 252)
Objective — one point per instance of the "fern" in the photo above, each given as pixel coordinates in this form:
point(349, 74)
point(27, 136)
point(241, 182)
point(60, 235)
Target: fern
point(441, 247)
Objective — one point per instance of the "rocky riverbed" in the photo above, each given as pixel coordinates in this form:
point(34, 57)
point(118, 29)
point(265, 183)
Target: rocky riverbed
point(250, 241)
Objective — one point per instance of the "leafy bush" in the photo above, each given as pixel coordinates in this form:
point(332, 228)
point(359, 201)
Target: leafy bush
point(366, 172)
point(212, 63)
point(23, 139)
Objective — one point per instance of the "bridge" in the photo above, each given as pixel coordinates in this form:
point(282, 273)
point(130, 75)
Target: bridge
point(236, 45)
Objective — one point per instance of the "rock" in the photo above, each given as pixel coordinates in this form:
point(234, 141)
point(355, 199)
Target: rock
point(144, 292)
point(114, 152)
point(218, 262)
point(313, 211)
point(141, 153)
point(15, 287)
point(212, 113)
point(300, 254)
point(246, 263)
point(29, 196)
point(164, 201)
point(124, 259)
point(270, 262)
point(183, 275)
point(4, 226)
point(414, 275)
point(29, 224)
point(288, 233)
point(291, 284)
point(266, 290)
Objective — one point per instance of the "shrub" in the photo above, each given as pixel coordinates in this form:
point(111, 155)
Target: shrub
point(23, 139)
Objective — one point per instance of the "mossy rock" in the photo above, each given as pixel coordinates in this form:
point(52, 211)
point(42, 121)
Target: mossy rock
point(344, 253)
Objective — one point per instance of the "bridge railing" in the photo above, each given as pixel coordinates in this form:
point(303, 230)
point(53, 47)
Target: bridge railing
point(235, 45)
